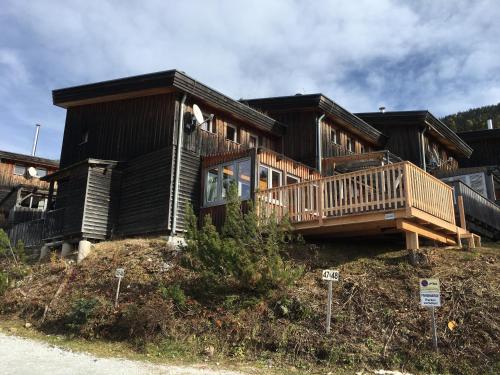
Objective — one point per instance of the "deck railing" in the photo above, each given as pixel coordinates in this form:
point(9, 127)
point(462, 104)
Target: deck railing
point(386, 188)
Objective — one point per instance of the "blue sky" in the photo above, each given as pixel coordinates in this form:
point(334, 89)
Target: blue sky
point(438, 55)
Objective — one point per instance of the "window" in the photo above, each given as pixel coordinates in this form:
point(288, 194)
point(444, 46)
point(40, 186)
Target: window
point(227, 178)
point(269, 178)
point(253, 141)
point(231, 133)
point(244, 179)
point(219, 179)
point(19, 170)
point(349, 144)
point(209, 125)
point(41, 172)
point(333, 135)
point(290, 180)
point(212, 185)
point(362, 149)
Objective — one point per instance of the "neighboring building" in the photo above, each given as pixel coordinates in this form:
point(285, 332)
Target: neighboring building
point(23, 195)
point(421, 138)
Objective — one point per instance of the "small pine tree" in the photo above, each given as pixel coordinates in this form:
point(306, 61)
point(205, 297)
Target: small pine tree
point(247, 252)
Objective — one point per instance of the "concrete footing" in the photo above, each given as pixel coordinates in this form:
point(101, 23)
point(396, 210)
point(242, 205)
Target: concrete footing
point(67, 249)
point(44, 252)
point(176, 241)
point(84, 249)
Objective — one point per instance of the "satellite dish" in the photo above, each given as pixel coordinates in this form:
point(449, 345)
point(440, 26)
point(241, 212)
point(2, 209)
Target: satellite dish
point(31, 172)
point(197, 114)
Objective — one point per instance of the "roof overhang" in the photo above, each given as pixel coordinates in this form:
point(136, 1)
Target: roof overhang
point(422, 119)
point(28, 159)
point(321, 103)
point(159, 83)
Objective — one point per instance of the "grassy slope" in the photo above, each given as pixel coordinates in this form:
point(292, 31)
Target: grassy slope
point(376, 318)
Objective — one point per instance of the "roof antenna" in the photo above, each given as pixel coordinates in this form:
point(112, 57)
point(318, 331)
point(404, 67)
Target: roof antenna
point(35, 141)
point(381, 109)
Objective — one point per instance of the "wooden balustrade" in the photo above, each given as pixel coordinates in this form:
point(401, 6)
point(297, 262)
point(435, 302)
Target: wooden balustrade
point(387, 188)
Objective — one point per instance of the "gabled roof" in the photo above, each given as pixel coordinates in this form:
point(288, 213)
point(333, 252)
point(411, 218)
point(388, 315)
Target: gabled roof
point(35, 160)
point(162, 82)
point(318, 102)
point(419, 118)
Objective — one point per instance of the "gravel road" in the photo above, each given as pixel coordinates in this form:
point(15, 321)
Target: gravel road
point(19, 356)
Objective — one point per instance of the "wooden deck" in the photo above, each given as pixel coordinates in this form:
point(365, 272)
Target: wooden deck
point(393, 198)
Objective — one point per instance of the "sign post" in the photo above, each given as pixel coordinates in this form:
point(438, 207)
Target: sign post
point(430, 297)
point(120, 273)
point(330, 276)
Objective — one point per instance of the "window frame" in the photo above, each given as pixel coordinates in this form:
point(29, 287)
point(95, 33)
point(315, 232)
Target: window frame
point(43, 169)
point(235, 128)
point(350, 144)
point(209, 124)
point(333, 136)
point(256, 137)
point(21, 166)
point(219, 199)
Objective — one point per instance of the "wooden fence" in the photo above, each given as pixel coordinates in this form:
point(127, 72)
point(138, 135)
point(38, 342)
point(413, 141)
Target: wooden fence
point(30, 233)
point(386, 188)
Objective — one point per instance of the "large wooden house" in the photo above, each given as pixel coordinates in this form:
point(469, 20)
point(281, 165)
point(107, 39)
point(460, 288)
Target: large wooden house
point(137, 150)
point(23, 195)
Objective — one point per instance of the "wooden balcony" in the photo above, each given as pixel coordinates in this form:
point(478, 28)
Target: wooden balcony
point(393, 198)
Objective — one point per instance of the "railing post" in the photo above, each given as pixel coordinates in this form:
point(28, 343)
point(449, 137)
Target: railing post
point(407, 187)
point(320, 201)
point(461, 212)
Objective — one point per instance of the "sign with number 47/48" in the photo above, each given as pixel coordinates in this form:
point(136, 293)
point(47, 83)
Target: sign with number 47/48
point(330, 275)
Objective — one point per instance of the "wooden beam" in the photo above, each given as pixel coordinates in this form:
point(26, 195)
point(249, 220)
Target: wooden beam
point(408, 226)
point(449, 227)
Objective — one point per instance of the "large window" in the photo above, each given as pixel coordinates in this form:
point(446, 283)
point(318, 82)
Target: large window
point(269, 178)
point(219, 179)
point(41, 172)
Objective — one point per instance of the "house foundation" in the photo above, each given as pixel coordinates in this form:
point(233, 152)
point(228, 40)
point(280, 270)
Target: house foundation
point(66, 250)
point(84, 249)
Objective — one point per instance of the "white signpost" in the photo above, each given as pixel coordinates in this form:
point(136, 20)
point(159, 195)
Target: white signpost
point(120, 273)
point(330, 276)
point(430, 297)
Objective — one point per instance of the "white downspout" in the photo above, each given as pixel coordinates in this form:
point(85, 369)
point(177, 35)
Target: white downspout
point(424, 162)
point(180, 137)
point(318, 140)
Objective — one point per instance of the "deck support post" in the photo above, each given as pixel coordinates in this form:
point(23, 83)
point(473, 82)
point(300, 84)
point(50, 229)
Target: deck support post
point(66, 249)
point(461, 211)
point(84, 249)
point(411, 241)
point(44, 251)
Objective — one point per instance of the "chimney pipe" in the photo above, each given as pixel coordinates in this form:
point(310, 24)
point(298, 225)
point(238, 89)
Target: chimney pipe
point(381, 109)
point(489, 124)
point(35, 141)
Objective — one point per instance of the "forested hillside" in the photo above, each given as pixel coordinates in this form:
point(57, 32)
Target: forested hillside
point(474, 119)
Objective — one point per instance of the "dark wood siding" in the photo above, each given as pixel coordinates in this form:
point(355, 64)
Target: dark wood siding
point(145, 194)
point(189, 186)
point(486, 148)
point(71, 201)
point(100, 202)
point(119, 130)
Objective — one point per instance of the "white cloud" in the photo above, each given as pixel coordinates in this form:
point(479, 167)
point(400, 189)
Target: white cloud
point(429, 54)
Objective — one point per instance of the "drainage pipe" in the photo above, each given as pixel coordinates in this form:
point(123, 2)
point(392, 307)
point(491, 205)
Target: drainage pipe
point(180, 137)
point(318, 140)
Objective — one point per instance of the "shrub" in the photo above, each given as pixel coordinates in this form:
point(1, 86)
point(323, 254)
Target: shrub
point(174, 293)
point(5, 247)
point(248, 251)
point(81, 311)
point(4, 282)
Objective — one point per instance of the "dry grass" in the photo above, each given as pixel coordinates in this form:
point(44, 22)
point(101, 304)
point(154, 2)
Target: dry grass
point(376, 323)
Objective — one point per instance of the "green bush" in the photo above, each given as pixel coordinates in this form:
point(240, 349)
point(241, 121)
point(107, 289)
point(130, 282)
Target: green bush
point(4, 282)
point(174, 293)
point(5, 247)
point(81, 311)
point(248, 252)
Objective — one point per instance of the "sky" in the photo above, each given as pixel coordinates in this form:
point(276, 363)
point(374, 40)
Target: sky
point(439, 55)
